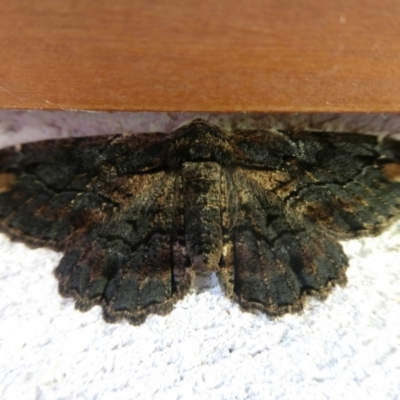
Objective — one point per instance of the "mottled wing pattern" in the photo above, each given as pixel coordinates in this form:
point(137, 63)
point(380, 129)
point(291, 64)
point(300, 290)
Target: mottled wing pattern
point(298, 194)
point(346, 183)
point(110, 207)
point(133, 214)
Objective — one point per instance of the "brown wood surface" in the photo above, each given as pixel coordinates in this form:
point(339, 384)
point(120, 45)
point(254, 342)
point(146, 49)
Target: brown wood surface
point(190, 55)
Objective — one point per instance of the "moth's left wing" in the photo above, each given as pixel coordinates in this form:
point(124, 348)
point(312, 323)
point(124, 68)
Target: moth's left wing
point(109, 204)
point(53, 190)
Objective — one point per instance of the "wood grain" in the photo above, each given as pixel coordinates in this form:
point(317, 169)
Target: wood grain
point(186, 55)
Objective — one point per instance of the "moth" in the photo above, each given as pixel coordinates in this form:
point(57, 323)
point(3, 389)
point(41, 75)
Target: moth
point(138, 217)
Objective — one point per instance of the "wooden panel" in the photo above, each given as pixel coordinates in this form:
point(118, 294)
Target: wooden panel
point(187, 55)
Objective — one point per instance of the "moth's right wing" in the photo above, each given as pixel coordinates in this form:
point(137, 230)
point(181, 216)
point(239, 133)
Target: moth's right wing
point(349, 184)
point(298, 194)
point(272, 262)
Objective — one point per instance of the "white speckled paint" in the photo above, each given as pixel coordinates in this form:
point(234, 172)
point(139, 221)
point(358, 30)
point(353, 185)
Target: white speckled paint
point(347, 347)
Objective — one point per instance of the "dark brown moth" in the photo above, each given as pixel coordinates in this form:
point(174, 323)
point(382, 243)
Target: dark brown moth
point(138, 216)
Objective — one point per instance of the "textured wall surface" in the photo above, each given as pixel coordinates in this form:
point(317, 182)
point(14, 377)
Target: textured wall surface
point(207, 347)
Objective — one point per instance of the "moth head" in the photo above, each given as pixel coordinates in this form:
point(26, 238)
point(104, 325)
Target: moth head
point(200, 141)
